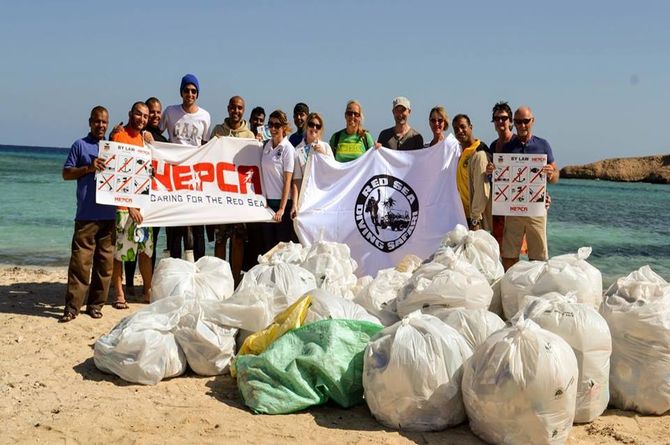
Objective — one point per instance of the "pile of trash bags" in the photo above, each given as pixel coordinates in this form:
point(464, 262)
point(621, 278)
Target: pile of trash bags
point(424, 344)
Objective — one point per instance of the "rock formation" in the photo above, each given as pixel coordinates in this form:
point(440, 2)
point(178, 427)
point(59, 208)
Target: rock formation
point(654, 169)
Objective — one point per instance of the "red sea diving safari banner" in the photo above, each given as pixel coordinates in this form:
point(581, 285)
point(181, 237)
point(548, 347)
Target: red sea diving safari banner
point(216, 183)
point(384, 205)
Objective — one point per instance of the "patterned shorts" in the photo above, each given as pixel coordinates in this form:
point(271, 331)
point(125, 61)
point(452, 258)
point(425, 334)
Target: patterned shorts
point(127, 235)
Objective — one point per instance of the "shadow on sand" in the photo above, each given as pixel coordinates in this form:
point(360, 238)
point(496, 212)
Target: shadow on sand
point(36, 299)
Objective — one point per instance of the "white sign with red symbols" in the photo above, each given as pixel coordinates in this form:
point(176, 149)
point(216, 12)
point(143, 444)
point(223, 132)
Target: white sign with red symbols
point(126, 179)
point(519, 184)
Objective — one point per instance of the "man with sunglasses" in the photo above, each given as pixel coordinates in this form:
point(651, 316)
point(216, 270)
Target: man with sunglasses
point(534, 227)
point(401, 136)
point(187, 124)
point(300, 112)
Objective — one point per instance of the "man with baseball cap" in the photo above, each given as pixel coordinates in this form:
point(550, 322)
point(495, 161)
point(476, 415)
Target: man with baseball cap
point(186, 124)
point(401, 136)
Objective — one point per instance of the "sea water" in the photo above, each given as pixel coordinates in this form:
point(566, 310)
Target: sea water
point(626, 224)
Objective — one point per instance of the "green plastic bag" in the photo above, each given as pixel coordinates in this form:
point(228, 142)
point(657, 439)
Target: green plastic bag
point(306, 367)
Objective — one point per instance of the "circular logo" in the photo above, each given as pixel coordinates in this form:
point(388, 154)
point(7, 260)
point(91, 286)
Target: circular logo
point(386, 212)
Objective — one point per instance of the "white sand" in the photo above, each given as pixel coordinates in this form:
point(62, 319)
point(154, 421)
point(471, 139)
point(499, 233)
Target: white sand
point(51, 392)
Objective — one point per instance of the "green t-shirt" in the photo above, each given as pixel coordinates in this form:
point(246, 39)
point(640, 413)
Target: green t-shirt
point(350, 146)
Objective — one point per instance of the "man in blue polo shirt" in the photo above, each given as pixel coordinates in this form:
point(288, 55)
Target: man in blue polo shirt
point(534, 227)
point(94, 234)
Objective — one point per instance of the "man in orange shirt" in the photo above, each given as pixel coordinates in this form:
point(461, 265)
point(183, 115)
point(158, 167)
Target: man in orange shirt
point(131, 241)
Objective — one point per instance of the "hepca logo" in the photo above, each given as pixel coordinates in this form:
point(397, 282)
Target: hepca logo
point(386, 212)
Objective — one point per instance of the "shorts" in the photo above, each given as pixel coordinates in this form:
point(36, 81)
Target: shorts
point(224, 231)
point(127, 248)
point(535, 229)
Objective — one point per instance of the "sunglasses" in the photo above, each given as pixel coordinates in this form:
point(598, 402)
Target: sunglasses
point(351, 113)
point(275, 125)
point(314, 124)
point(436, 121)
point(523, 121)
point(500, 118)
point(190, 90)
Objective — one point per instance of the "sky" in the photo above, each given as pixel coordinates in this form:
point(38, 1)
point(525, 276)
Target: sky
point(596, 74)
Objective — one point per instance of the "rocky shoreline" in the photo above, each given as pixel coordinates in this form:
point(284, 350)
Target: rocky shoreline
point(652, 169)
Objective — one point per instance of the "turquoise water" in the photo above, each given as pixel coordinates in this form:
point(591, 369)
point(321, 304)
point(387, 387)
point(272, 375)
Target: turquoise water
point(627, 225)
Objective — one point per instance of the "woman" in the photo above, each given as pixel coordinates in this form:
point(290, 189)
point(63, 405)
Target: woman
point(277, 163)
point(439, 123)
point(311, 143)
point(352, 141)
point(471, 177)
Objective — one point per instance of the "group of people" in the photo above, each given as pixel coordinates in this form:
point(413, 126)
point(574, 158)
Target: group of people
point(106, 237)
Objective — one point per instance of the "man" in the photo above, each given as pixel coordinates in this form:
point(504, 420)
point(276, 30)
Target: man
point(233, 126)
point(401, 136)
point(256, 119)
point(186, 124)
point(471, 178)
point(94, 237)
point(535, 228)
point(152, 133)
point(155, 114)
point(132, 243)
point(501, 116)
point(254, 243)
point(300, 112)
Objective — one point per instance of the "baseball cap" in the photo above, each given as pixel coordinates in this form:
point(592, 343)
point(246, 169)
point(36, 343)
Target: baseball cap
point(401, 100)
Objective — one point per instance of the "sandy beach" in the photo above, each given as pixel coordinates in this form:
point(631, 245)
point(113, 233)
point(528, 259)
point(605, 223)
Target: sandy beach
point(51, 392)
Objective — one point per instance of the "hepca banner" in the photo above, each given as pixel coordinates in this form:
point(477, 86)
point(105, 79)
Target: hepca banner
point(216, 183)
point(384, 205)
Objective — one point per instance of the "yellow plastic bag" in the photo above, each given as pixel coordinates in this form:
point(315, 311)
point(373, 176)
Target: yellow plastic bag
point(292, 317)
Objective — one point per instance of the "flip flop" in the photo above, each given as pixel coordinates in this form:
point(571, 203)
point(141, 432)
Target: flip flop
point(94, 313)
point(68, 316)
point(120, 305)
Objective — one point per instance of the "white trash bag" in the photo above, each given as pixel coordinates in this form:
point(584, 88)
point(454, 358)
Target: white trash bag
point(284, 252)
point(288, 281)
point(586, 331)
point(520, 386)
point(475, 325)
point(381, 291)
point(637, 310)
point(455, 284)
point(141, 348)
point(327, 306)
point(562, 274)
point(208, 346)
point(412, 373)
point(333, 267)
point(207, 278)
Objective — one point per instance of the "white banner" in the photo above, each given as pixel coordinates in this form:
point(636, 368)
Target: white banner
point(216, 183)
point(519, 185)
point(384, 205)
point(126, 179)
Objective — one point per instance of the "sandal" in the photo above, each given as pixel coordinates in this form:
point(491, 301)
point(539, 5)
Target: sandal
point(94, 313)
point(68, 316)
point(120, 305)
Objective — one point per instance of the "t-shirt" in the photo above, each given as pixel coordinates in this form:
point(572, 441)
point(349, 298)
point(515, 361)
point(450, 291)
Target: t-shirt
point(124, 137)
point(535, 145)
point(296, 137)
point(82, 153)
point(350, 146)
point(186, 128)
point(302, 152)
point(274, 162)
point(462, 176)
point(156, 133)
point(411, 140)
